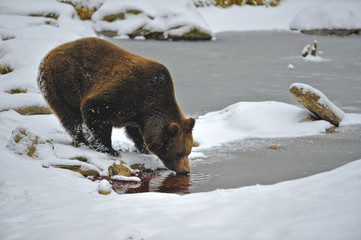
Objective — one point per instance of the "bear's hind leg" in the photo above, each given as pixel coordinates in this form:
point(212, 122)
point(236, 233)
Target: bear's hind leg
point(134, 134)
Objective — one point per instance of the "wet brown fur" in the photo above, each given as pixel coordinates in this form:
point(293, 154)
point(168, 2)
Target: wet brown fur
point(93, 85)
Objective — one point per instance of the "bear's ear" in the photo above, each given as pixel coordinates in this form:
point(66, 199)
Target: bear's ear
point(173, 129)
point(191, 121)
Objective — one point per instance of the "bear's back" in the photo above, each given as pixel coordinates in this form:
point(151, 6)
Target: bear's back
point(85, 67)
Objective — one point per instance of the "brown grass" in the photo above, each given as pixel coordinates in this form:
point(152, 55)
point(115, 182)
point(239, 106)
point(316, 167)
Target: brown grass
point(4, 69)
point(46, 15)
point(84, 12)
point(227, 3)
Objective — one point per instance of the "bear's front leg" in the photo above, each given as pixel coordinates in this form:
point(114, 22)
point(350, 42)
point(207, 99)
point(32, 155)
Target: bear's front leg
point(134, 134)
point(100, 138)
point(99, 131)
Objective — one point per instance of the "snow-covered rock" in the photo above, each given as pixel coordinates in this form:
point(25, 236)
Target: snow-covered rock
point(105, 187)
point(25, 142)
point(157, 19)
point(118, 169)
point(329, 19)
point(317, 103)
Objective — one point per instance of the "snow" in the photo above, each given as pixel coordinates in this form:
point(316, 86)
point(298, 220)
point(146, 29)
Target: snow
point(128, 179)
point(255, 120)
point(294, 14)
point(56, 203)
point(310, 58)
point(38, 202)
point(329, 16)
point(9, 101)
point(351, 119)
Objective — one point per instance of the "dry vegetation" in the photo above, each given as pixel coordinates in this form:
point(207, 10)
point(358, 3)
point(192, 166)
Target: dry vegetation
point(228, 3)
point(84, 12)
point(4, 69)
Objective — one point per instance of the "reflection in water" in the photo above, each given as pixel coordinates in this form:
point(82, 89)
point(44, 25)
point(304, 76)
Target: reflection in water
point(172, 184)
point(159, 181)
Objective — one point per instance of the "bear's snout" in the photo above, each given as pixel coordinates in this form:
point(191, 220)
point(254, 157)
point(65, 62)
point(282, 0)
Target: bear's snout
point(183, 166)
point(180, 165)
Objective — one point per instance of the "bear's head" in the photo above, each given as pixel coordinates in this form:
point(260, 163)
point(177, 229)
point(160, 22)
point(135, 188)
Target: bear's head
point(172, 144)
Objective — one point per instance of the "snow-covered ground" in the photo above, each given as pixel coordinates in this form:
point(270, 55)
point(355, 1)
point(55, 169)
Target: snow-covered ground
point(50, 203)
point(38, 203)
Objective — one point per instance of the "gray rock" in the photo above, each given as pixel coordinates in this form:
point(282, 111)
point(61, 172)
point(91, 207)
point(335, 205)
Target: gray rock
point(337, 32)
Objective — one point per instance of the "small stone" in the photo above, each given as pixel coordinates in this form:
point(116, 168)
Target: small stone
point(274, 147)
point(105, 187)
point(331, 129)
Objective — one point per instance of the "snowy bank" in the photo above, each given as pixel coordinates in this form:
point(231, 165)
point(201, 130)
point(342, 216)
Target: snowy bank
point(255, 120)
point(36, 203)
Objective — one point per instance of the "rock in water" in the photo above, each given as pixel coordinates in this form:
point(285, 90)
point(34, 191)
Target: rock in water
point(316, 102)
point(314, 48)
point(306, 50)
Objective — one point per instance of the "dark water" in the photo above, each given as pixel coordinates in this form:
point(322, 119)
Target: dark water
point(161, 181)
point(252, 66)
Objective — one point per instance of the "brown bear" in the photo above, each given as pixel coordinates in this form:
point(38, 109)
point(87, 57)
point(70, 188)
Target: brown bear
point(93, 85)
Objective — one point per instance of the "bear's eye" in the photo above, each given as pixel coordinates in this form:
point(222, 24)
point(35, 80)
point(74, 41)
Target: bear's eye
point(173, 129)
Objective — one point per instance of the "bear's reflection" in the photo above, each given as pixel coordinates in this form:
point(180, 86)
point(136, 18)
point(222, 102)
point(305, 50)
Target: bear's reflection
point(163, 182)
point(175, 184)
